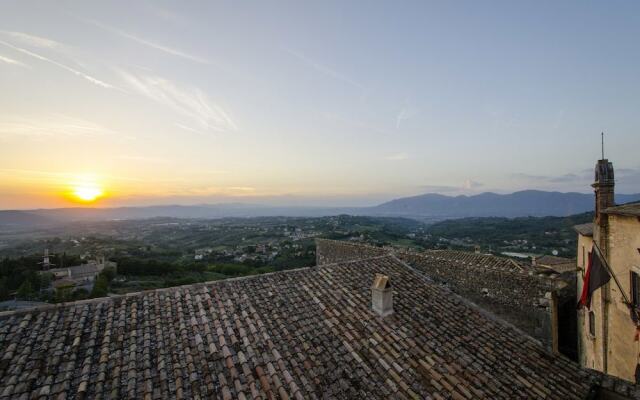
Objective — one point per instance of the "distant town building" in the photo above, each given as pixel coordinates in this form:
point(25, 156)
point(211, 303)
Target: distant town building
point(607, 330)
point(554, 263)
point(80, 275)
point(46, 260)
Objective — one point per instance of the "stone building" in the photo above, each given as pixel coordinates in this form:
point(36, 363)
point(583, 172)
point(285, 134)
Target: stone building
point(606, 331)
point(80, 275)
point(556, 264)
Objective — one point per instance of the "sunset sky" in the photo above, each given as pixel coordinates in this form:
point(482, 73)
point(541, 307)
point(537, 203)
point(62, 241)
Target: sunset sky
point(314, 103)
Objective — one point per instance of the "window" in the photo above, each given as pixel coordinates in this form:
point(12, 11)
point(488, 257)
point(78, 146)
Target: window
point(592, 324)
point(635, 289)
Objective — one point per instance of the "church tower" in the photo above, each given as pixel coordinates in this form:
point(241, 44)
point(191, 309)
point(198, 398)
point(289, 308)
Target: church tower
point(603, 188)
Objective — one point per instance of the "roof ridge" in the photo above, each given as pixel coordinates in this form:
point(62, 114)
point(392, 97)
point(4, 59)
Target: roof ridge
point(51, 306)
point(353, 261)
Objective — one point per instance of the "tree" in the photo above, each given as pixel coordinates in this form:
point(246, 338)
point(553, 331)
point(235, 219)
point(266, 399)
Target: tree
point(80, 294)
point(45, 280)
point(25, 291)
point(63, 293)
point(109, 273)
point(4, 290)
point(100, 287)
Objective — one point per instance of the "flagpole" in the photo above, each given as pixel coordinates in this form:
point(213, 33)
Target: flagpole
point(624, 294)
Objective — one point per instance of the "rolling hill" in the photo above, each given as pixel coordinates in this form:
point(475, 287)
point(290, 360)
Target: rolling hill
point(518, 204)
point(426, 207)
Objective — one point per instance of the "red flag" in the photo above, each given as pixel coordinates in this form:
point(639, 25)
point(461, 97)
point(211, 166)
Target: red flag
point(596, 276)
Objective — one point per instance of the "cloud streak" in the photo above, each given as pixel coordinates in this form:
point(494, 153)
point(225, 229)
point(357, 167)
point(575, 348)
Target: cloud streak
point(74, 71)
point(466, 186)
point(397, 157)
point(49, 125)
point(11, 61)
point(323, 69)
point(35, 41)
point(147, 43)
point(404, 114)
point(566, 178)
point(191, 103)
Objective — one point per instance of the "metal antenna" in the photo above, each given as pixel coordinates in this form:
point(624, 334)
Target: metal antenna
point(602, 140)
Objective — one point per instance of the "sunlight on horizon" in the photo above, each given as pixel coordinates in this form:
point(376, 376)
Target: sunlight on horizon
point(211, 103)
point(86, 189)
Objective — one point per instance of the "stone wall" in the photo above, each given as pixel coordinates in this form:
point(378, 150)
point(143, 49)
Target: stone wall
point(524, 300)
point(333, 251)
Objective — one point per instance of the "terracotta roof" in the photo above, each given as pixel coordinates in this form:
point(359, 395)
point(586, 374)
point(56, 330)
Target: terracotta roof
point(306, 333)
point(480, 260)
point(553, 260)
point(630, 209)
point(584, 229)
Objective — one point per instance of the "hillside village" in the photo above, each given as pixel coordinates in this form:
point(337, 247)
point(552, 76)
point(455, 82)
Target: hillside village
point(319, 200)
point(361, 320)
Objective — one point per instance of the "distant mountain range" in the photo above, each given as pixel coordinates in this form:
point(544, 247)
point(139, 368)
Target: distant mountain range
point(39, 217)
point(423, 207)
point(525, 203)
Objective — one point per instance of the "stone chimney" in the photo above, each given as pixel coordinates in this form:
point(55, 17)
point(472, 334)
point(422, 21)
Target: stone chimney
point(477, 249)
point(533, 261)
point(382, 296)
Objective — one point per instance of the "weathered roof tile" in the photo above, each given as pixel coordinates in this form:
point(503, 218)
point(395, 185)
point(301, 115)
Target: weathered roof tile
point(301, 334)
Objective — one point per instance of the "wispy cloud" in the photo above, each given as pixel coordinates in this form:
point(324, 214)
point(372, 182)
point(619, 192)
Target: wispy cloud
point(404, 114)
point(239, 191)
point(167, 15)
point(627, 180)
point(440, 188)
point(352, 123)
point(397, 157)
point(324, 69)
point(471, 184)
point(74, 71)
point(468, 185)
point(59, 176)
point(147, 43)
point(11, 61)
point(188, 128)
point(145, 159)
point(34, 41)
point(49, 125)
point(189, 102)
point(581, 177)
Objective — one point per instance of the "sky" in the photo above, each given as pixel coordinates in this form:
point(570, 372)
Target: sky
point(326, 103)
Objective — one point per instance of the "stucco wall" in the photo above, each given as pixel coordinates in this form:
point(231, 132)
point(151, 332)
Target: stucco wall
point(624, 242)
point(621, 349)
point(587, 346)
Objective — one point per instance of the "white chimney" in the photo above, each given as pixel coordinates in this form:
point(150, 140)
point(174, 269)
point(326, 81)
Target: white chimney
point(382, 296)
point(533, 261)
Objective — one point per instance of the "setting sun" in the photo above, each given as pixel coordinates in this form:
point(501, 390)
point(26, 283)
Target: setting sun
point(87, 193)
point(85, 189)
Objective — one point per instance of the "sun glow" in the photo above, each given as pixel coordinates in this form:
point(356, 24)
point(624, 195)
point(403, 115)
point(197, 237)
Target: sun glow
point(86, 189)
point(87, 193)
